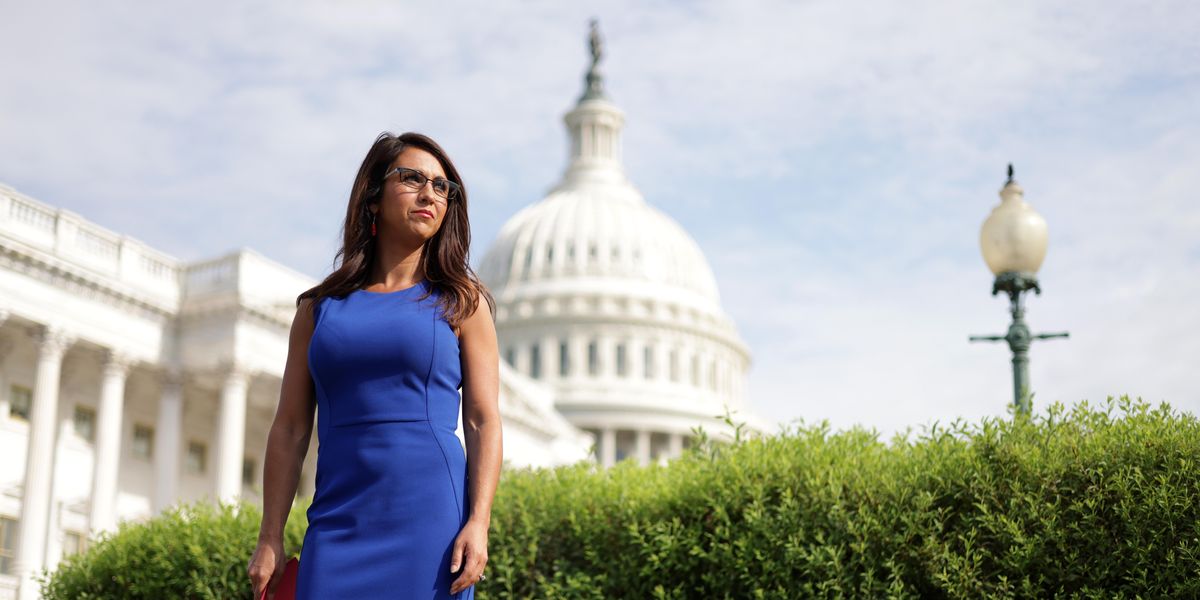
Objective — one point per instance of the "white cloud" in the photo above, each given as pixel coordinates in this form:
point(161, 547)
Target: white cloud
point(853, 147)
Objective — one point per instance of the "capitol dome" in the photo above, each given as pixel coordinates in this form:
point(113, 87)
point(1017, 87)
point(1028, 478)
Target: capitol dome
point(612, 305)
point(588, 234)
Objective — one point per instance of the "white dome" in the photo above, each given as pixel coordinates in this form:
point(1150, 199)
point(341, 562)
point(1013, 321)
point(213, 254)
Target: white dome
point(595, 234)
point(603, 237)
point(609, 303)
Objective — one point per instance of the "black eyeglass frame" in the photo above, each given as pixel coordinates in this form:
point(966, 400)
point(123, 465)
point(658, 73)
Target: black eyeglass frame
point(454, 190)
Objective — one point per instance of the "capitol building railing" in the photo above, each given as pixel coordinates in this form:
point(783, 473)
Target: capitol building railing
point(76, 241)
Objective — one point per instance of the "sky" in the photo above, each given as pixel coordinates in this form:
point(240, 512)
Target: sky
point(833, 159)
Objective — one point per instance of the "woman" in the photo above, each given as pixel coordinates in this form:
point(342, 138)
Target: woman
point(379, 349)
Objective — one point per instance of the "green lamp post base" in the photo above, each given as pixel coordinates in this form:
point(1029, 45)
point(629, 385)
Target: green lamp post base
point(1019, 337)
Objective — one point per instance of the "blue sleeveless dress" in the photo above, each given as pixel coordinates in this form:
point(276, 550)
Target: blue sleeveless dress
point(391, 475)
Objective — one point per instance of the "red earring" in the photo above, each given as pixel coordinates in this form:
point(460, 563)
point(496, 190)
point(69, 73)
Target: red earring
point(372, 224)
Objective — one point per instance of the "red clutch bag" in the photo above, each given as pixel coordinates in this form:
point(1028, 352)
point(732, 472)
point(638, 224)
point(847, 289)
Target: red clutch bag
point(286, 590)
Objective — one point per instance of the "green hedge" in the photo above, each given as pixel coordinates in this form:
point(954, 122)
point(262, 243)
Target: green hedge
point(1091, 504)
point(188, 552)
point(1087, 503)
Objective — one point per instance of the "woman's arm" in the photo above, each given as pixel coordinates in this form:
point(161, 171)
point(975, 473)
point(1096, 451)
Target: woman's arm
point(481, 428)
point(481, 410)
point(287, 443)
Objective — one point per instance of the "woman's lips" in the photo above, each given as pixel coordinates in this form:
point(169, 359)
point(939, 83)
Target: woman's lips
point(424, 213)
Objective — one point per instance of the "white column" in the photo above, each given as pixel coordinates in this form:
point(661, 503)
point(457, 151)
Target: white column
point(578, 355)
point(608, 356)
point(307, 487)
point(738, 385)
point(108, 441)
point(608, 447)
point(643, 446)
point(727, 379)
point(550, 358)
point(731, 384)
point(39, 459)
point(168, 440)
point(523, 358)
point(662, 361)
point(676, 445)
point(651, 346)
point(722, 391)
point(6, 346)
point(231, 434)
point(708, 373)
point(635, 359)
point(308, 471)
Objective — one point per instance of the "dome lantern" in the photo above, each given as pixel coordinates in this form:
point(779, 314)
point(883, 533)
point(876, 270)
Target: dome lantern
point(594, 127)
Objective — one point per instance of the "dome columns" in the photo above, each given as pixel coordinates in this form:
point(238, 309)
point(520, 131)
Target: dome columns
point(608, 447)
point(551, 358)
point(645, 445)
point(595, 135)
point(629, 356)
point(578, 348)
point(607, 351)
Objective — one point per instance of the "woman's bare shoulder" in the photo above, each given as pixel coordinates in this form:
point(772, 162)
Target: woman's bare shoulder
point(303, 322)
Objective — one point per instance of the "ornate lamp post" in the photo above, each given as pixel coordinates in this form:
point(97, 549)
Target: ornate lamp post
point(1013, 240)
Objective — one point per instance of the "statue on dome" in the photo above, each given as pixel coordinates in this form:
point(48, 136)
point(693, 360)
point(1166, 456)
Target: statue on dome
point(595, 80)
point(595, 42)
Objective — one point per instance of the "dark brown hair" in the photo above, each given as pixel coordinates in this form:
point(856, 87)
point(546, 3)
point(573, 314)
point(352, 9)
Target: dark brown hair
point(445, 255)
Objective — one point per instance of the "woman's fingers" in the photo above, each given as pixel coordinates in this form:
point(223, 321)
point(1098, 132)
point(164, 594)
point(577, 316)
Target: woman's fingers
point(470, 573)
point(261, 578)
point(456, 555)
point(264, 567)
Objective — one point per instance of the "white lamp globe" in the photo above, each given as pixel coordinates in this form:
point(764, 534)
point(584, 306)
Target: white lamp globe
point(1014, 236)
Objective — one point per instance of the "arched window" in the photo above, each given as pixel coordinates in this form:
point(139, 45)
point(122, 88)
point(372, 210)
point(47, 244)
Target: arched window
point(564, 358)
point(648, 362)
point(622, 362)
point(535, 361)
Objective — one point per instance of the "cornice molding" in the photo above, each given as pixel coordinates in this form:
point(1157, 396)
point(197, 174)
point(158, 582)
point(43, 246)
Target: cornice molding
point(74, 279)
point(237, 310)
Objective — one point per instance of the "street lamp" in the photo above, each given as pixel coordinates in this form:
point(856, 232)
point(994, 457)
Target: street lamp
point(1013, 240)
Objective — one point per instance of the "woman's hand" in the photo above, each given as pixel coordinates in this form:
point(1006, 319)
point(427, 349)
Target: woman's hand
point(266, 567)
point(470, 547)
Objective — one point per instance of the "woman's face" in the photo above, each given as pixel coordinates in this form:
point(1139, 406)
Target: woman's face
point(402, 211)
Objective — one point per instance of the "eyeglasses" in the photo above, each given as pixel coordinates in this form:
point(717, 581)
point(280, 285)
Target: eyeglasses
point(415, 180)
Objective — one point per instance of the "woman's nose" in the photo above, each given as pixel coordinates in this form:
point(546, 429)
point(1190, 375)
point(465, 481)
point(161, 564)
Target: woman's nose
point(425, 194)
